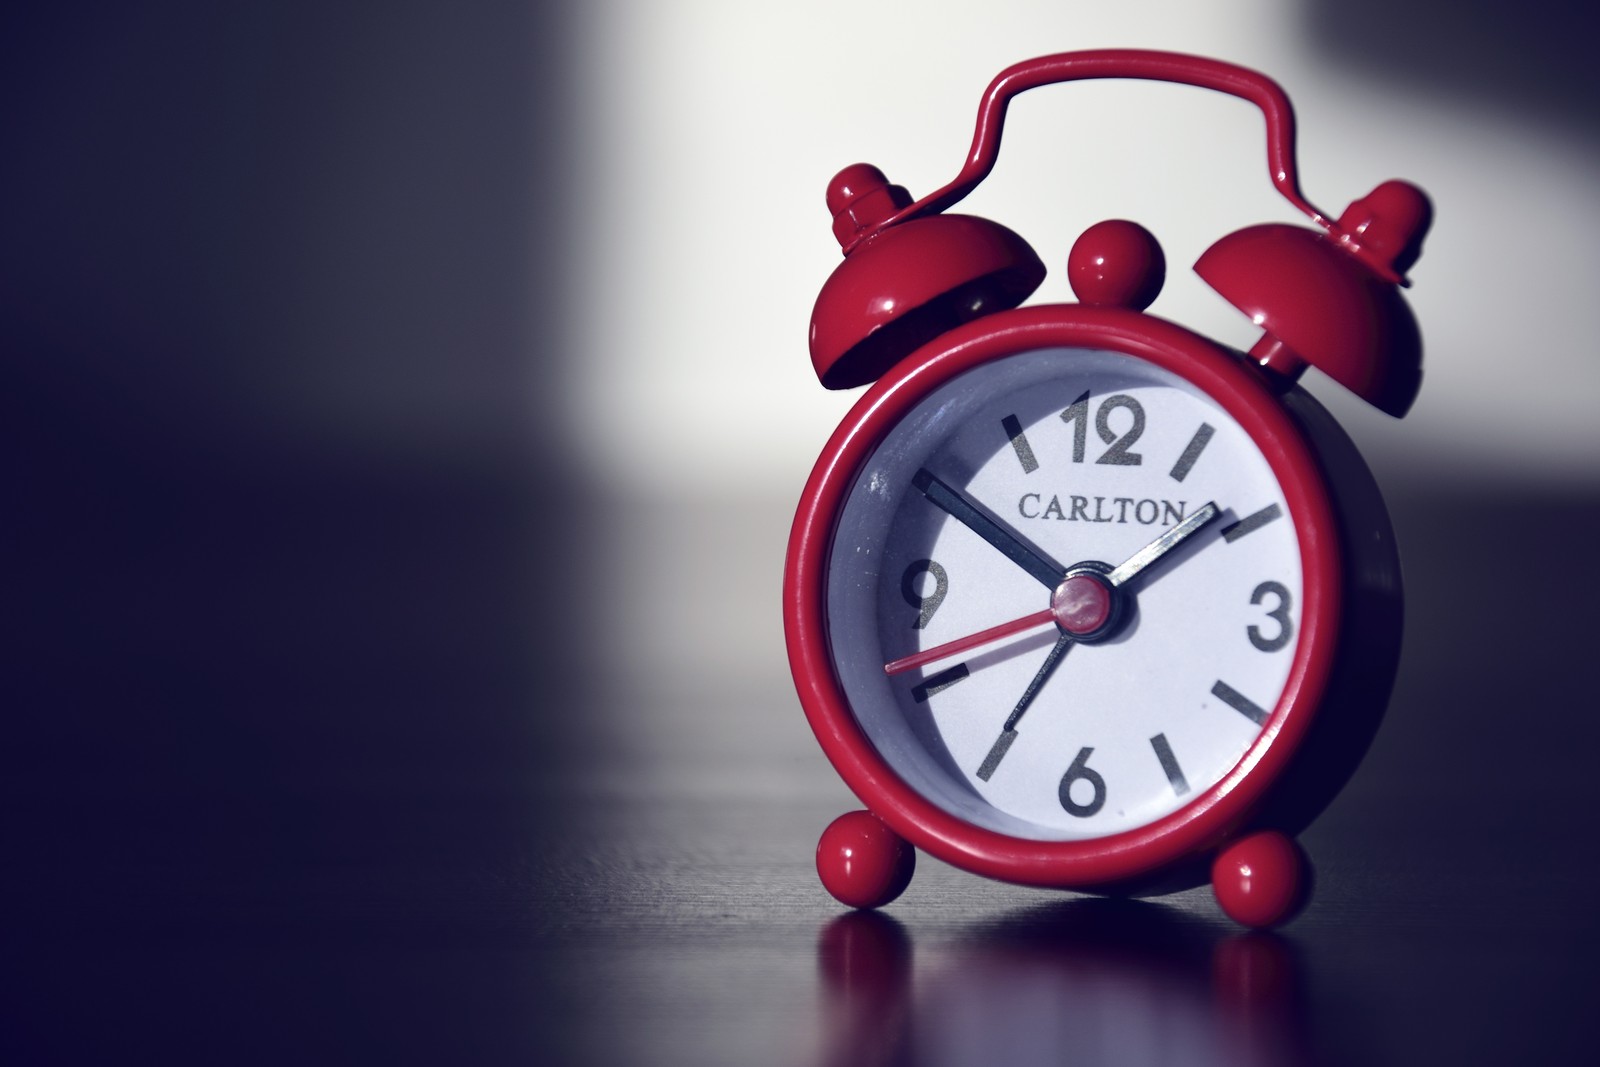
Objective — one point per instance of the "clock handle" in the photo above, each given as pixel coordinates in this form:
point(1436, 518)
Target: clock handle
point(1329, 299)
point(1141, 64)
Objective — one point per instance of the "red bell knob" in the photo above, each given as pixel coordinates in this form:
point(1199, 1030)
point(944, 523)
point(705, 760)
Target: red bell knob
point(1117, 263)
point(860, 198)
point(1320, 300)
point(902, 285)
point(1385, 228)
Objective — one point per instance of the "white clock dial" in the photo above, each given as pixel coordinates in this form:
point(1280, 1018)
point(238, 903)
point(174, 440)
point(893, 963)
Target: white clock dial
point(1077, 457)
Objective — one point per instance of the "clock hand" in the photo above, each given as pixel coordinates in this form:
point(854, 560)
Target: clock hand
point(1006, 540)
point(1058, 650)
point(1008, 733)
point(1147, 555)
point(998, 536)
point(1129, 568)
point(962, 644)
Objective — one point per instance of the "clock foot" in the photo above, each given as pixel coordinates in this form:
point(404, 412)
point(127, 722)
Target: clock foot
point(1261, 880)
point(862, 862)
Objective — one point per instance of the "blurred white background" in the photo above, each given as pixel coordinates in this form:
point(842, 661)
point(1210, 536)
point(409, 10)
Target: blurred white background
point(713, 127)
point(716, 126)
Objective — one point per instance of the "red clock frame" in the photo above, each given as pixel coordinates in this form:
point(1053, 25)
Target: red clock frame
point(1247, 393)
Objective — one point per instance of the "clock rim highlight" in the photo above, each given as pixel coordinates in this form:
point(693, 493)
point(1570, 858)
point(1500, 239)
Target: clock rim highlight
point(1217, 813)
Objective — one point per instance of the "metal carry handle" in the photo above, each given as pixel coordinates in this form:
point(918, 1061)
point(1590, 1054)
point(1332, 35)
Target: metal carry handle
point(1140, 64)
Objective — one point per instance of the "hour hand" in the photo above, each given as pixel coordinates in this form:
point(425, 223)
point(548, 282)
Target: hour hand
point(1163, 544)
point(1006, 540)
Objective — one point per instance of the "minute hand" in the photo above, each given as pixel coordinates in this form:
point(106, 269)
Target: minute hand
point(965, 512)
point(1162, 545)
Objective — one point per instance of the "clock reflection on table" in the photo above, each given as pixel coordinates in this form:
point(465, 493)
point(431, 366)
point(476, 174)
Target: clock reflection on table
point(1092, 980)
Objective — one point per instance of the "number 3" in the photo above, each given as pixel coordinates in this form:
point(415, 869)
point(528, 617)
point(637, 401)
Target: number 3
point(1280, 614)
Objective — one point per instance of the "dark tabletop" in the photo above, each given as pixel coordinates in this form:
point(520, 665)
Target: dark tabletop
point(352, 799)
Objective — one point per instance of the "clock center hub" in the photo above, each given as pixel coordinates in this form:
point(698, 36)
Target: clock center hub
point(1084, 605)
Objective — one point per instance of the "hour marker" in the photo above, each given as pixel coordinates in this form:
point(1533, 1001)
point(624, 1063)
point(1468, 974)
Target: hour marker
point(996, 754)
point(1191, 451)
point(935, 682)
point(1239, 702)
point(1169, 763)
point(1251, 523)
point(1019, 441)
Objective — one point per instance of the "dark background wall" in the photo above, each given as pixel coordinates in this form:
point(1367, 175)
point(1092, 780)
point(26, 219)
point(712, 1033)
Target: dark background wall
point(280, 299)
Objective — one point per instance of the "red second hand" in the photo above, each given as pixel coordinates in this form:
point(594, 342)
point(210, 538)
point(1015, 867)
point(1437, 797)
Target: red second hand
point(961, 644)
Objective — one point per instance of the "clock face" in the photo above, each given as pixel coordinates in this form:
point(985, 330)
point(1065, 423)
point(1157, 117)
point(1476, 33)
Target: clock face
point(1132, 546)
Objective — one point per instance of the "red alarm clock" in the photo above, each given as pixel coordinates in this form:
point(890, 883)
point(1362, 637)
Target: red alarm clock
point(1076, 597)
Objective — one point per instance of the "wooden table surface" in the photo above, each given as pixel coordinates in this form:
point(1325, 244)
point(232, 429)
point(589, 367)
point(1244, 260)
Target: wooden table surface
point(313, 780)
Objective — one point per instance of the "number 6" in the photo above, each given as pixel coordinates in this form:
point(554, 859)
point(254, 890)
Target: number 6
point(1080, 771)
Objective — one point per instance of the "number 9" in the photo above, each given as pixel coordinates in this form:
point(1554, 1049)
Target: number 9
point(925, 605)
